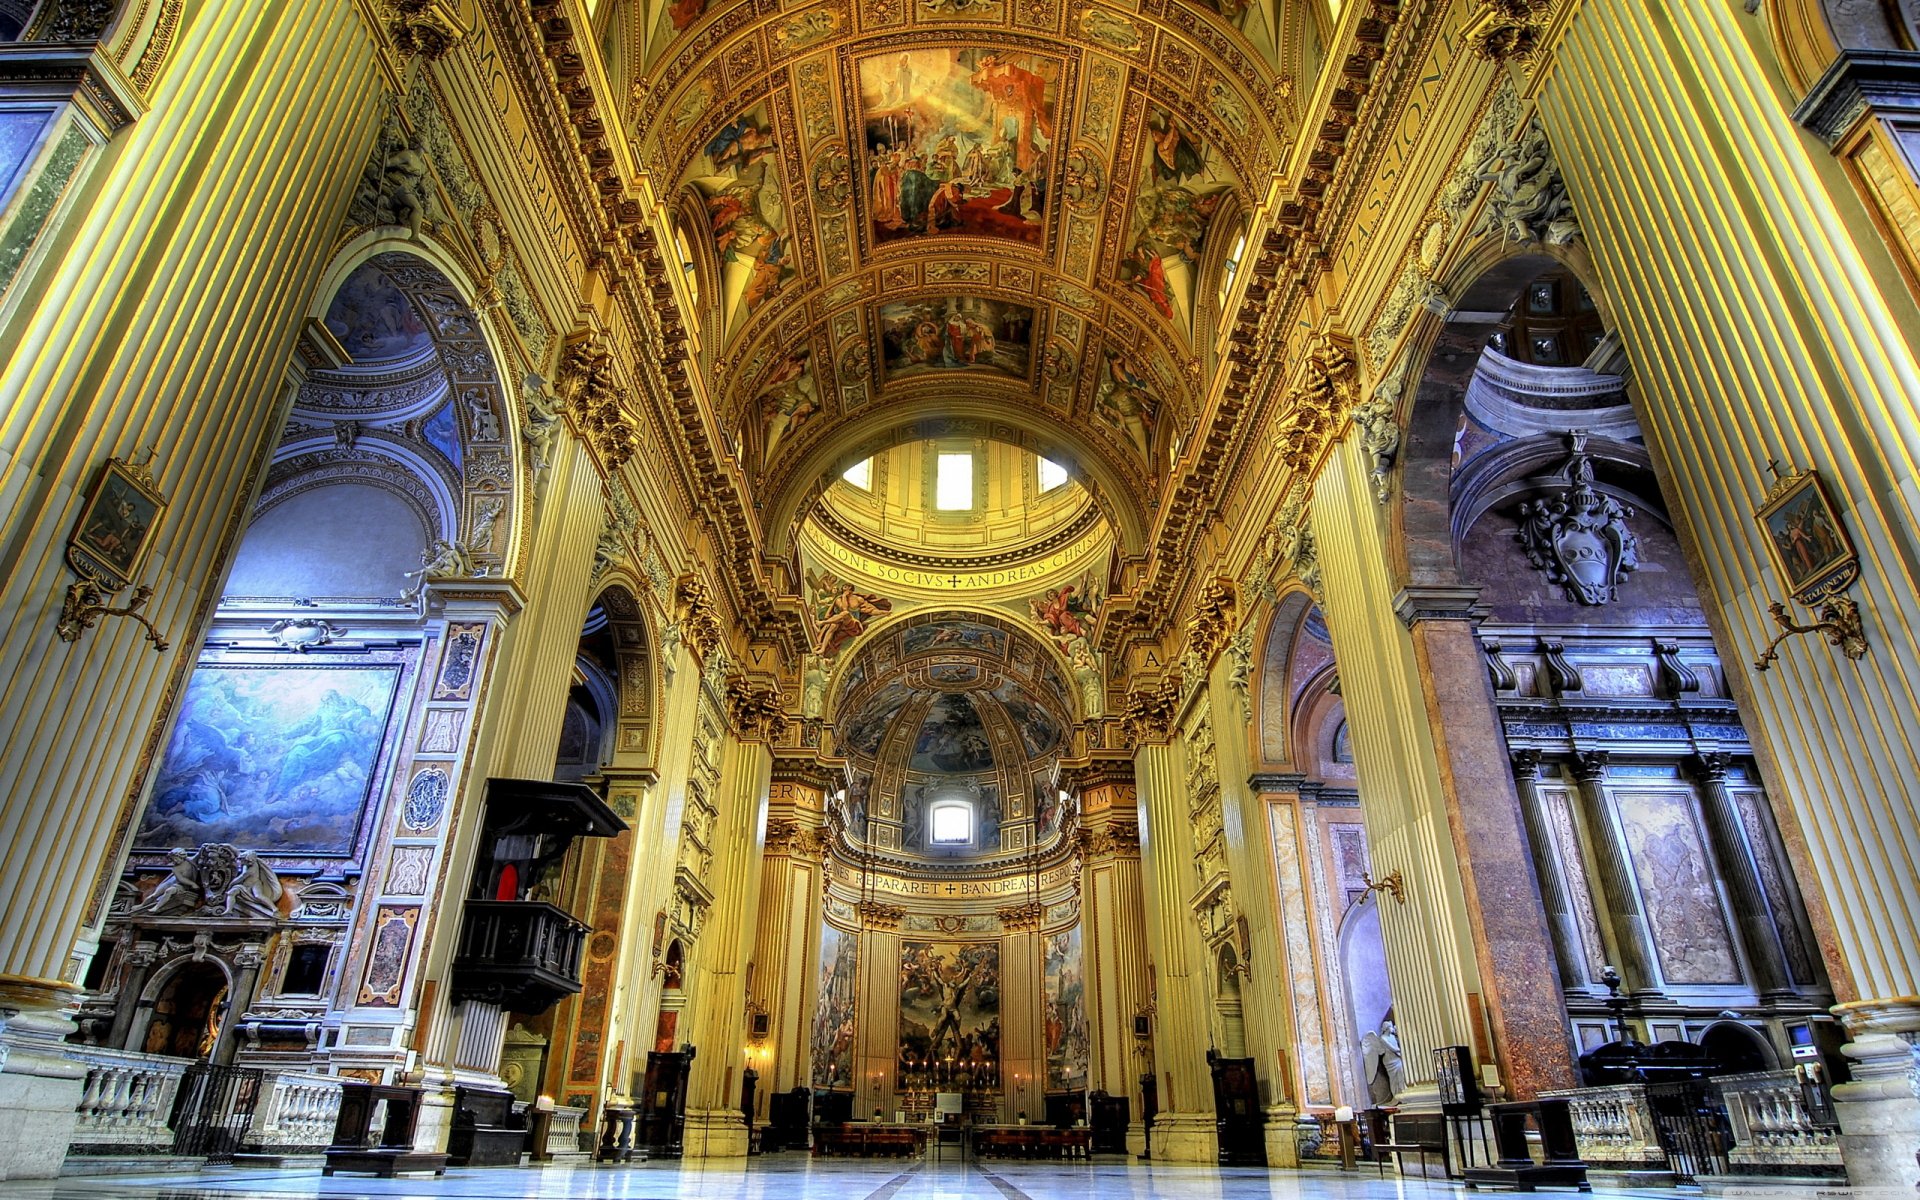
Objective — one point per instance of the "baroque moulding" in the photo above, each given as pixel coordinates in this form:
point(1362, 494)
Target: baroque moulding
point(1378, 424)
point(1508, 30)
point(1578, 538)
point(1287, 550)
point(1315, 406)
point(875, 915)
point(699, 621)
point(755, 710)
point(1147, 715)
point(428, 28)
point(1212, 620)
point(1240, 670)
point(1022, 918)
point(593, 400)
point(216, 880)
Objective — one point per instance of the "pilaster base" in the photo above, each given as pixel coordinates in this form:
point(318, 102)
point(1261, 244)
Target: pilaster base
point(714, 1133)
point(40, 1087)
point(1136, 1138)
point(435, 1123)
point(1186, 1137)
point(1283, 1146)
point(1879, 1110)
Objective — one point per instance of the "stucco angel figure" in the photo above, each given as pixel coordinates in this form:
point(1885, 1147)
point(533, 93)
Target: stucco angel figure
point(255, 891)
point(179, 893)
point(441, 560)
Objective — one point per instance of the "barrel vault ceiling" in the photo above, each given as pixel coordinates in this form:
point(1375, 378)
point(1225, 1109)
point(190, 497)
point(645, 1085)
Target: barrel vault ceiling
point(998, 218)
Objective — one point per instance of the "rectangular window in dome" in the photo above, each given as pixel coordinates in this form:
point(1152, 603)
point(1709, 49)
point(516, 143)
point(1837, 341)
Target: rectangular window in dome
point(952, 824)
point(860, 474)
point(1052, 474)
point(953, 483)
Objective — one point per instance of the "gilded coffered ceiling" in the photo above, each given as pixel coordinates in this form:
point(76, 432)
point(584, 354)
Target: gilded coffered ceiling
point(1000, 218)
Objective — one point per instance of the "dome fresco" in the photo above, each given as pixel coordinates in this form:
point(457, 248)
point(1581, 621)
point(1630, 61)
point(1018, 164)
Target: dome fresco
point(951, 706)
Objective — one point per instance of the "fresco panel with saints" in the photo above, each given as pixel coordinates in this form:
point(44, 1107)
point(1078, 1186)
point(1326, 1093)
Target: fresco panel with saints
point(958, 142)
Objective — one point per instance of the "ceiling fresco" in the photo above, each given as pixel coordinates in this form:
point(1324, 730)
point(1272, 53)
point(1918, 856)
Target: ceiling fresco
point(995, 209)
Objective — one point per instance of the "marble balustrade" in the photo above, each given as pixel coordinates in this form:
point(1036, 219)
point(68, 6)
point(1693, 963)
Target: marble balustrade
point(1614, 1128)
point(294, 1113)
point(126, 1101)
point(1772, 1126)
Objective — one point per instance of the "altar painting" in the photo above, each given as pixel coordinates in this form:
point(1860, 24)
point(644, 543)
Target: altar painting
point(833, 1012)
point(950, 1004)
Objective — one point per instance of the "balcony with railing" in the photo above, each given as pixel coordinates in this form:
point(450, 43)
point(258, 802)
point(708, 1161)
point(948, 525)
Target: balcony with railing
point(523, 955)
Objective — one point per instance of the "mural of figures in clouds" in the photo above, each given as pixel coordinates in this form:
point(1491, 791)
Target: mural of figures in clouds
point(1181, 187)
point(950, 1003)
point(738, 179)
point(1064, 1013)
point(833, 1012)
point(278, 759)
point(959, 142)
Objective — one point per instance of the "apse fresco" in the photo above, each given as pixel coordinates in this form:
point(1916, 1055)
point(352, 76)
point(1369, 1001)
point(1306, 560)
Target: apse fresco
point(789, 398)
point(950, 1003)
point(1049, 809)
point(956, 333)
point(833, 1012)
point(952, 740)
point(958, 142)
point(1127, 404)
point(957, 635)
point(1039, 730)
point(1181, 186)
point(374, 320)
point(1064, 1013)
point(863, 731)
point(279, 759)
point(738, 178)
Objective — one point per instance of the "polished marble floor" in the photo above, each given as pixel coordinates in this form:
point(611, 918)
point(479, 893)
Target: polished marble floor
point(796, 1177)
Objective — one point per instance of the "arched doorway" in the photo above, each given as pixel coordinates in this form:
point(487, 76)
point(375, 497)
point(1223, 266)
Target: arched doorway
point(1527, 483)
point(189, 1012)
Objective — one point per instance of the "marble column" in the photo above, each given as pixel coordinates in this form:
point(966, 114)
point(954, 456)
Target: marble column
point(1512, 933)
point(1184, 1131)
point(717, 987)
point(1626, 917)
point(1760, 927)
point(1768, 322)
point(1547, 869)
point(210, 192)
point(1112, 907)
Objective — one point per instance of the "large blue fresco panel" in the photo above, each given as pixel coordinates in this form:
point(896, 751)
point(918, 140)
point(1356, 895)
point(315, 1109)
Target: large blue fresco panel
point(271, 758)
